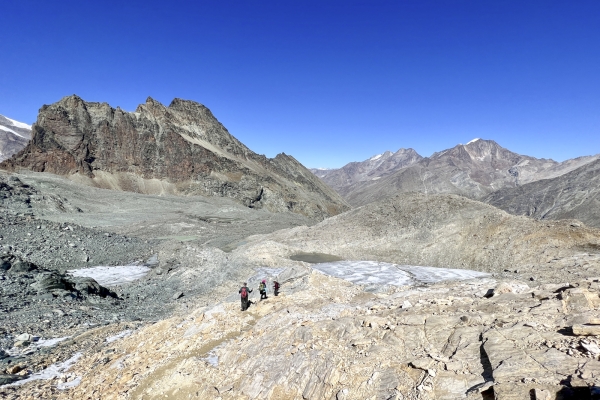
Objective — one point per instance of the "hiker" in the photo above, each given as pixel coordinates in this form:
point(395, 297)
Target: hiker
point(275, 288)
point(244, 292)
point(262, 288)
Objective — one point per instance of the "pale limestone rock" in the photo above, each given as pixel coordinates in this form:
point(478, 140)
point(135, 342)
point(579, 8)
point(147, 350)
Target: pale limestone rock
point(591, 347)
point(578, 300)
point(541, 394)
point(312, 346)
point(422, 363)
point(586, 330)
point(510, 287)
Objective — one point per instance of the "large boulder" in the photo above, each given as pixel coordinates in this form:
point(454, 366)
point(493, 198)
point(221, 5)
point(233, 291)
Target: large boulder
point(49, 281)
point(89, 286)
point(15, 264)
point(60, 285)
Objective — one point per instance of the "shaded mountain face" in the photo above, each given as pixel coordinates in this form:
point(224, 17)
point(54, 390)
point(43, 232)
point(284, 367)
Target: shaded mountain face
point(14, 136)
point(473, 170)
point(575, 194)
point(372, 169)
point(179, 149)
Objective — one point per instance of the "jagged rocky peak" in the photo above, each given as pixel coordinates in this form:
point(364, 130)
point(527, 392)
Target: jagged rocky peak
point(179, 149)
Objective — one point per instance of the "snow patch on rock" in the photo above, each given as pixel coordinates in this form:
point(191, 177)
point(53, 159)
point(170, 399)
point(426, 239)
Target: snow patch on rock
point(118, 336)
point(112, 276)
point(53, 371)
point(11, 131)
point(19, 124)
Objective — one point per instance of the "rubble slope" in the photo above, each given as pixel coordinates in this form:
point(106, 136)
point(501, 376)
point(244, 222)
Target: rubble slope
point(442, 231)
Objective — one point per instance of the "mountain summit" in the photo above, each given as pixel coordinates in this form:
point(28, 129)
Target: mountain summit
point(179, 149)
point(376, 167)
point(473, 170)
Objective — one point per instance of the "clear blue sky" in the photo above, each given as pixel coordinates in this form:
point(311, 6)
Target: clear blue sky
point(326, 81)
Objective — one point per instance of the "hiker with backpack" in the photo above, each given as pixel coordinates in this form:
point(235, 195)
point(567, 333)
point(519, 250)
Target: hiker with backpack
point(262, 288)
point(275, 288)
point(244, 293)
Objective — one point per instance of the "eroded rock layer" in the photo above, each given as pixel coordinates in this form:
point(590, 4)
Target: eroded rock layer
point(180, 149)
point(324, 338)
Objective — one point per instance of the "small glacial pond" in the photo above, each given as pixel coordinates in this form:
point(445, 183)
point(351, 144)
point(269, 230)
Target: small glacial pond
point(315, 258)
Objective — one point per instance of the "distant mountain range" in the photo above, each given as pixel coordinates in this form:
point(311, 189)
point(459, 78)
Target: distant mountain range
point(481, 170)
point(14, 136)
point(374, 168)
point(183, 149)
point(180, 149)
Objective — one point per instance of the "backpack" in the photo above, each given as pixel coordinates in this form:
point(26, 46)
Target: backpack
point(276, 285)
point(262, 287)
point(244, 292)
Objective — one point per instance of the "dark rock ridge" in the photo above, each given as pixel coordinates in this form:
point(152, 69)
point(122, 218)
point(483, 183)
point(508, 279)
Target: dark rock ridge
point(473, 170)
point(14, 136)
point(179, 149)
point(574, 195)
point(374, 168)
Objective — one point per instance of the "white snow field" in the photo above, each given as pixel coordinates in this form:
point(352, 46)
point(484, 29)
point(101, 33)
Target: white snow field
point(19, 124)
point(118, 336)
point(381, 274)
point(112, 276)
point(5, 129)
point(36, 343)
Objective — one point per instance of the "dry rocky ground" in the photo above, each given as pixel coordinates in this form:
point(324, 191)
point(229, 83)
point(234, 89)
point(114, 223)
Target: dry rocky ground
point(528, 330)
point(325, 338)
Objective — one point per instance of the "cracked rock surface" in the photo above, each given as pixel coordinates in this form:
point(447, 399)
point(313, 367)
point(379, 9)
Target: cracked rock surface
point(324, 337)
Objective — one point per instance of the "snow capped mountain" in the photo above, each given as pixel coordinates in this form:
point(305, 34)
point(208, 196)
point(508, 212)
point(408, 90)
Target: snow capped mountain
point(18, 124)
point(374, 168)
point(473, 170)
point(14, 135)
